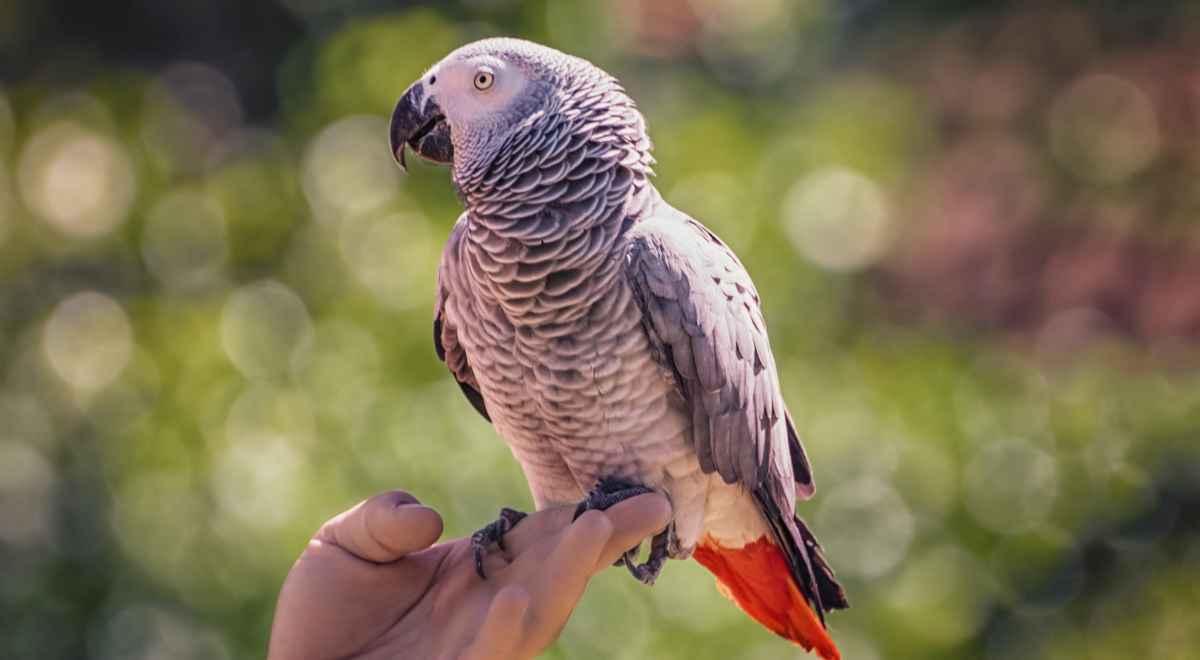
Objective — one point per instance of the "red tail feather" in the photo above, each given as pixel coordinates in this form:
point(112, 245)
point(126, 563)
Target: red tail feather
point(756, 577)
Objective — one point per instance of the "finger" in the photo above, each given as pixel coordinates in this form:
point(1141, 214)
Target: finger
point(384, 528)
point(633, 520)
point(632, 516)
point(536, 527)
point(503, 629)
point(557, 583)
point(580, 547)
point(561, 578)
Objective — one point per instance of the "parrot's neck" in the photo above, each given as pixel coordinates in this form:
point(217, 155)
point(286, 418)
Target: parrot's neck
point(545, 220)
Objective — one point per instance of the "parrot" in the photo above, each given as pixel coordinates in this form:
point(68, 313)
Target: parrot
point(615, 343)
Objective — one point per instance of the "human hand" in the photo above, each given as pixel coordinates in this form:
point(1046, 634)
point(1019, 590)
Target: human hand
point(372, 584)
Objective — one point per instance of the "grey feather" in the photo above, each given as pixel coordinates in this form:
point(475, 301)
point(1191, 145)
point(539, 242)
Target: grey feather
point(445, 342)
point(702, 312)
point(605, 333)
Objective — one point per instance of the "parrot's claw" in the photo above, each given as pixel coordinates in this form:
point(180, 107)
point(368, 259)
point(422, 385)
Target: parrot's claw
point(649, 571)
point(608, 493)
point(493, 533)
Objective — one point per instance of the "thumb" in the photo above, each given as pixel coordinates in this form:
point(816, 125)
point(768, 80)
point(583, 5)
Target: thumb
point(384, 528)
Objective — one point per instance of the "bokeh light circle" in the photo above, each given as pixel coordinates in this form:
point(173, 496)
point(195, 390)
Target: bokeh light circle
point(867, 525)
point(88, 340)
point(27, 482)
point(263, 414)
point(342, 372)
point(838, 219)
point(371, 247)
point(748, 41)
point(184, 240)
point(154, 504)
point(259, 484)
point(347, 169)
point(1010, 485)
point(263, 326)
point(26, 422)
point(78, 181)
point(188, 110)
point(1104, 129)
point(950, 581)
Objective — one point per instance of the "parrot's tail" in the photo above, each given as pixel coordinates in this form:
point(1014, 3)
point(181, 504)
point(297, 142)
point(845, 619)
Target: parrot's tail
point(780, 579)
point(756, 577)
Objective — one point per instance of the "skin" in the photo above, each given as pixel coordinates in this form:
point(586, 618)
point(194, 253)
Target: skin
point(372, 583)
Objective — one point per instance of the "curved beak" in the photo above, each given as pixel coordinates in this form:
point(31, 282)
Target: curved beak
point(418, 122)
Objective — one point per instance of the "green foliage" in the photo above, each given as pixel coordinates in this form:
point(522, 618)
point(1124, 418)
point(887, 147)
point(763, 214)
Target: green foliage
point(194, 375)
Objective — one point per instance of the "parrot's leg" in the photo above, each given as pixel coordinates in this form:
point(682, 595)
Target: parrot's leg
point(608, 493)
point(493, 533)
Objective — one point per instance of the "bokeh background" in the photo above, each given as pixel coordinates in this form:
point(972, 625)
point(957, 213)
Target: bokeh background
point(974, 225)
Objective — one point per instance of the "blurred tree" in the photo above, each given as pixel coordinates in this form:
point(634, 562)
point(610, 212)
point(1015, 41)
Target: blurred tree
point(973, 226)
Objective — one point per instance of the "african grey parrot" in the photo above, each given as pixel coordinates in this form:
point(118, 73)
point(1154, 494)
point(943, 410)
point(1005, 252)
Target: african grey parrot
point(614, 342)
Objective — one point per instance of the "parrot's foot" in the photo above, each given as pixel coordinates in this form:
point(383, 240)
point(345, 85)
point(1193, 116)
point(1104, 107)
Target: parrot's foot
point(608, 493)
point(493, 533)
point(649, 571)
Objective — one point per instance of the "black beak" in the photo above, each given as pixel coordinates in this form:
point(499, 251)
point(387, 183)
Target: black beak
point(418, 122)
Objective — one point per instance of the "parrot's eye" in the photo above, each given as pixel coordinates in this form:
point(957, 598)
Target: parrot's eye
point(484, 79)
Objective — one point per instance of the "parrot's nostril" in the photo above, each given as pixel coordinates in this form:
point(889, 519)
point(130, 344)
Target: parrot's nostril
point(432, 79)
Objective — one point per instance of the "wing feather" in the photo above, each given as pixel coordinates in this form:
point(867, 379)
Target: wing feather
point(702, 313)
point(445, 334)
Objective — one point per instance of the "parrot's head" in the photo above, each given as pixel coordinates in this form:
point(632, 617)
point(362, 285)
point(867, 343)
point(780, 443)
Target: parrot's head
point(497, 95)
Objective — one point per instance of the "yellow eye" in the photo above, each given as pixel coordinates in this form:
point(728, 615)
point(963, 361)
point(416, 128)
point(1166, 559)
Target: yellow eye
point(484, 79)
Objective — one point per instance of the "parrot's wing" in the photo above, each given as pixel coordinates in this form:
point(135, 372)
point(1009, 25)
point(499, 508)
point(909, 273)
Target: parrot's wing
point(703, 316)
point(445, 334)
point(702, 313)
